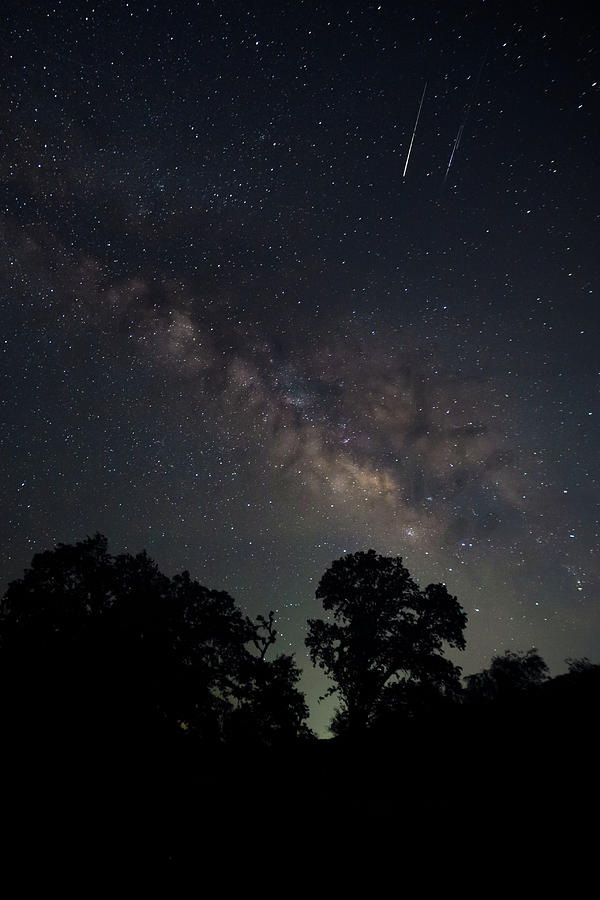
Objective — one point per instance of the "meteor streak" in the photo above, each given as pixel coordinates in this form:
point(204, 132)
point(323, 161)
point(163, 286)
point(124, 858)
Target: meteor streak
point(414, 132)
point(454, 149)
point(465, 116)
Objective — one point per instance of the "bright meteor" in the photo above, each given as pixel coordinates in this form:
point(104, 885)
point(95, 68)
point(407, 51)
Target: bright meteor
point(414, 131)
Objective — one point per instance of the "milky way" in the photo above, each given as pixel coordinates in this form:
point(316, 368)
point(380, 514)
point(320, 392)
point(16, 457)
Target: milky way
point(236, 336)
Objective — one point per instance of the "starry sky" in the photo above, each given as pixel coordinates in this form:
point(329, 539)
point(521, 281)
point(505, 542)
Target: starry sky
point(248, 327)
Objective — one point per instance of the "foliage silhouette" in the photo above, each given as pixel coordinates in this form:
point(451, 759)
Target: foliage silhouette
point(92, 645)
point(508, 674)
point(271, 710)
point(146, 712)
point(581, 666)
point(387, 636)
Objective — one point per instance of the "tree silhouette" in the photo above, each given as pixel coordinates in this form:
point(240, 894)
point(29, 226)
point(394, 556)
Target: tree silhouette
point(92, 644)
point(209, 638)
point(581, 666)
point(386, 634)
point(508, 675)
point(271, 710)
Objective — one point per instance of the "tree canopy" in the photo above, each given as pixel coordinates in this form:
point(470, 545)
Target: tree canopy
point(93, 641)
point(508, 674)
point(383, 633)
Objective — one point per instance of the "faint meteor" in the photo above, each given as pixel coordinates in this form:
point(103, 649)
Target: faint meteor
point(414, 132)
point(454, 149)
point(461, 127)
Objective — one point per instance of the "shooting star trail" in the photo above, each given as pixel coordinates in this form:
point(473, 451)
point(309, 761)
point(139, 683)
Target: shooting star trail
point(465, 117)
point(454, 149)
point(414, 132)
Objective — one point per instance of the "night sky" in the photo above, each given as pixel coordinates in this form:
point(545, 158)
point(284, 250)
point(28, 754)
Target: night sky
point(236, 335)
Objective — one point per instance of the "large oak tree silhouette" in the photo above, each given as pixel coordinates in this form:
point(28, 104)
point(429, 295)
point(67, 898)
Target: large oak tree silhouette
point(383, 633)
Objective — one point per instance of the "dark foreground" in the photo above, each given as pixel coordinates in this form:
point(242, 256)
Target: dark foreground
point(511, 779)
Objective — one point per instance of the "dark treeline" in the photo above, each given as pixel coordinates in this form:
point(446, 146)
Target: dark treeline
point(143, 717)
